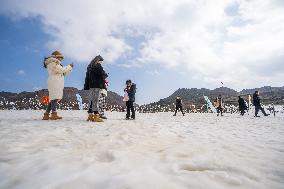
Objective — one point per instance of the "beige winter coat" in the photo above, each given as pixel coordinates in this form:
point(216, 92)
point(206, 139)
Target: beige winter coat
point(56, 73)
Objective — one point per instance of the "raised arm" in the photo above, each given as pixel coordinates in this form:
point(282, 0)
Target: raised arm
point(63, 70)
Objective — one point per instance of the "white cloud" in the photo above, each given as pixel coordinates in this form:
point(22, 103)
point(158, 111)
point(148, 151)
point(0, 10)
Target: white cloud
point(21, 72)
point(235, 41)
point(153, 72)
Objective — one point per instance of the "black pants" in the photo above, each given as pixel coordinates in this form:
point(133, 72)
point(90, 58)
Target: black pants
point(242, 112)
point(179, 107)
point(130, 107)
point(90, 111)
point(257, 108)
point(51, 106)
point(220, 109)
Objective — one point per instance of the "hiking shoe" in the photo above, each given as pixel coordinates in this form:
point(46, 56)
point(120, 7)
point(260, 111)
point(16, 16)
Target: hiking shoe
point(54, 116)
point(45, 116)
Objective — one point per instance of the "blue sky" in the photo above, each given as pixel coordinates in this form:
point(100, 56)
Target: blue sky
point(23, 46)
point(161, 46)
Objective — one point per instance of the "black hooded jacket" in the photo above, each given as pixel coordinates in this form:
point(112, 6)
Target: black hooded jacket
point(131, 92)
point(256, 100)
point(95, 77)
point(242, 104)
point(178, 102)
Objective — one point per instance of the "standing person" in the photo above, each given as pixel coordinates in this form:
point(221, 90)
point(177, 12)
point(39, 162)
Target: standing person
point(55, 82)
point(257, 105)
point(130, 89)
point(102, 102)
point(94, 82)
point(178, 105)
point(242, 105)
point(219, 105)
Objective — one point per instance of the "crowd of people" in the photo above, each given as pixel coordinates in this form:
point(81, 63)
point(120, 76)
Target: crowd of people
point(219, 105)
point(96, 84)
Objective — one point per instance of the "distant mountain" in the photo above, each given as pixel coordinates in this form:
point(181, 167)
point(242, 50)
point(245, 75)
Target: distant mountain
point(265, 89)
point(194, 96)
point(32, 100)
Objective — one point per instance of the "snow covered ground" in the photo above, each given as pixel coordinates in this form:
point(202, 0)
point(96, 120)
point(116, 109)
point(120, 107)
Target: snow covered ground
point(156, 151)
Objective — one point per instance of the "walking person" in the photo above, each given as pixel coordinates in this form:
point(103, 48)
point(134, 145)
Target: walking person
point(242, 105)
point(219, 105)
point(257, 105)
point(130, 91)
point(94, 83)
point(178, 105)
point(56, 73)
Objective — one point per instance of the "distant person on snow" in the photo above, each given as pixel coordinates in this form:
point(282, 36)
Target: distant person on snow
point(242, 105)
point(56, 73)
point(257, 104)
point(178, 105)
point(219, 105)
point(95, 82)
point(130, 90)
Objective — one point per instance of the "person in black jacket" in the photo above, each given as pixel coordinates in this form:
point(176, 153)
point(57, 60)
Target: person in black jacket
point(242, 105)
point(178, 105)
point(94, 82)
point(257, 105)
point(130, 89)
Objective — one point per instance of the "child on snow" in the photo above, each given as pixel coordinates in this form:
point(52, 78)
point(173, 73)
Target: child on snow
point(95, 82)
point(130, 90)
point(56, 74)
point(178, 105)
point(102, 103)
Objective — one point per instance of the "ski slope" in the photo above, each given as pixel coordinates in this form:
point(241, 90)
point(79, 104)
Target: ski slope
point(155, 151)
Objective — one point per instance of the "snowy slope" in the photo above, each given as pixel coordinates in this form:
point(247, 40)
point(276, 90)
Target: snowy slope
point(155, 151)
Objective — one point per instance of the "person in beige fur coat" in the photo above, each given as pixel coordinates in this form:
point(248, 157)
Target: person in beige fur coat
point(56, 73)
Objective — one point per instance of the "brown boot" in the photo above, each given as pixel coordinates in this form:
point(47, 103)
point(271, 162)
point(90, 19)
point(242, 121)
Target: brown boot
point(54, 116)
point(45, 116)
point(90, 117)
point(96, 118)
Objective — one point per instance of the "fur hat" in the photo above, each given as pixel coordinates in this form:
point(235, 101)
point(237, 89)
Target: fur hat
point(57, 54)
point(99, 58)
point(95, 61)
